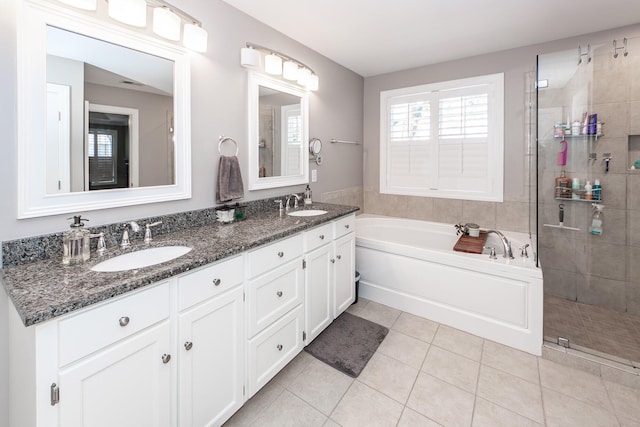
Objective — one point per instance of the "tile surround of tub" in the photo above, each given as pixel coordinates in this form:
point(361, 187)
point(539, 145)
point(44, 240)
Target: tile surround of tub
point(353, 196)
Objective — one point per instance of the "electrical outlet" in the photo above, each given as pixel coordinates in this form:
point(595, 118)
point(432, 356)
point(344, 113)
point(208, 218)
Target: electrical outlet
point(314, 175)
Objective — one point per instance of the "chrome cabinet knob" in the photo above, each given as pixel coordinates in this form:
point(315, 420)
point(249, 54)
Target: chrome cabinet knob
point(321, 236)
point(280, 254)
point(339, 256)
point(166, 358)
point(188, 345)
point(123, 321)
point(279, 347)
point(279, 293)
point(346, 226)
point(333, 260)
point(216, 282)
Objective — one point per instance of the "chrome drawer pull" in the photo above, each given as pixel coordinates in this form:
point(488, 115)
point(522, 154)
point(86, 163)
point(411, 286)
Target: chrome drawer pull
point(124, 321)
point(166, 358)
point(279, 346)
point(188, 345)
point(279, 293)
point(216, 282)
point(280, 254)
point(321, 236)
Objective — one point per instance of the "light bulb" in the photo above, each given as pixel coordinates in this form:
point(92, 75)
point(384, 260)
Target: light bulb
point(166, 23)
point(303, 76)
point(132, 12)
point(273, 64)
point(290, 70)
point(313, 82)
point(195, 38)
point(249, 57)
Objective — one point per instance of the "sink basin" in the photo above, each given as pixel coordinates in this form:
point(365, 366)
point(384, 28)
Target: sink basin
point(307, 212)
point(143, 258)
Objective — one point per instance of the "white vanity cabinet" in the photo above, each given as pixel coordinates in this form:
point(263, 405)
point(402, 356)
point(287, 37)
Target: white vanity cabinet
point(329, 273)
point(275, 311)
point(109, 364)
point(211, 342)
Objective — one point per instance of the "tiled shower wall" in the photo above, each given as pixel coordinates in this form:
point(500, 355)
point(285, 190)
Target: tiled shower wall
point(601, 270)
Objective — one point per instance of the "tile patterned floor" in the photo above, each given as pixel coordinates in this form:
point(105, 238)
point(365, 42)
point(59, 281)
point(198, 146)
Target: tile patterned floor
point(427, 374)
point(596, 328)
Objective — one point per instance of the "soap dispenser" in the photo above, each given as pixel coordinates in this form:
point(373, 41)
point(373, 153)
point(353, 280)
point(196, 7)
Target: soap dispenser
point(307, 195)
point(76, 242)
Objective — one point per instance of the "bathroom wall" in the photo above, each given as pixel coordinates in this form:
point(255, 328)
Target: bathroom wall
point(517, 66)
point(218, 104)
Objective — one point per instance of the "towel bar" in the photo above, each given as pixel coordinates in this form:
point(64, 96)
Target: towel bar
point(225, 139)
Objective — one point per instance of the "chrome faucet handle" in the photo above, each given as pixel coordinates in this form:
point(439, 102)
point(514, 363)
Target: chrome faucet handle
point(125, 242)
point(102, 245)
point(523, 251)
point(492, 253)
point(134, 226)
point(147, 232)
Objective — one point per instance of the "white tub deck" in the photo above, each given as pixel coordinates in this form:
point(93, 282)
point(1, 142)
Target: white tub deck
point(411, 265)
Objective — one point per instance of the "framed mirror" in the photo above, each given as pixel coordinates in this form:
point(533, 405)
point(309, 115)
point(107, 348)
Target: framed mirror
point(278, 133)
point(103, 115)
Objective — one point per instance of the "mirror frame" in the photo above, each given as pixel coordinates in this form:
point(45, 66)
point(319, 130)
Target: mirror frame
point(255, 181)
point(33, 200)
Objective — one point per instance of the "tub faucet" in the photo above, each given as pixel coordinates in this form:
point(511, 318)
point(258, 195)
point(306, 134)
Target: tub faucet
point(506, 245)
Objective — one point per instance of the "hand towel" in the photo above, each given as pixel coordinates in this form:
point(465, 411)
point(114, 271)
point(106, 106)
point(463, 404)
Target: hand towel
point(229, 180)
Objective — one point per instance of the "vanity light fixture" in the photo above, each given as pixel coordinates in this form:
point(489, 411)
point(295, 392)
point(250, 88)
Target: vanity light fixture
point(167, 19)
point(279, 64)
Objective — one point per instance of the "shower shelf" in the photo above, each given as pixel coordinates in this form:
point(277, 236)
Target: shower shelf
point(600, 135)
point(579, 200)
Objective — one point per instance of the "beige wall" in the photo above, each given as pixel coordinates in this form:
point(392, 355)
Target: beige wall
point(518, 66)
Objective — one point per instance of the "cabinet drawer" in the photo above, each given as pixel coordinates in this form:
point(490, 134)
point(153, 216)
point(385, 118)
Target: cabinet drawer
point(270, 351)
point(97, 327)
point(274, 255)
point(274, 294)
point(345, 225)
point(209, 281)
point(318, 236)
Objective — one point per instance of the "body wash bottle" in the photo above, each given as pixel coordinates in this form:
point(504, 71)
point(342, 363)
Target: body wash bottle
point(596, 220)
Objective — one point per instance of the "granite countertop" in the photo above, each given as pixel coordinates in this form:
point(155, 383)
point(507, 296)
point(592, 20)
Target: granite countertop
point(46, 289)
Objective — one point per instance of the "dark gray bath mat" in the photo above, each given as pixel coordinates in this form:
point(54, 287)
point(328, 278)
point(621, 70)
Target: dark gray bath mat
point(348, 343)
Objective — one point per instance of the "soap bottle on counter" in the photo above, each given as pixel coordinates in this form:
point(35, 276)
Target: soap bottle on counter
point(76, 242)
point(307, 195)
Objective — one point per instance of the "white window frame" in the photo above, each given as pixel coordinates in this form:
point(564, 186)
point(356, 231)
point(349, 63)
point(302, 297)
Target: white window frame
point(429, 183)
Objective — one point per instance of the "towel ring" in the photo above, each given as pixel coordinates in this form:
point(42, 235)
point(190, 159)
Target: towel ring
point(225, 139)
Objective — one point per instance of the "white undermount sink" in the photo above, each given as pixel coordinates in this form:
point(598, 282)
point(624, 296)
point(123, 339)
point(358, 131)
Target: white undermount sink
point(307, 212)
point(143, 258)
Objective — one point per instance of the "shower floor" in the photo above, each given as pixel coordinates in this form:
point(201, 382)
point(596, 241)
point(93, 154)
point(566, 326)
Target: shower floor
point(593, 329)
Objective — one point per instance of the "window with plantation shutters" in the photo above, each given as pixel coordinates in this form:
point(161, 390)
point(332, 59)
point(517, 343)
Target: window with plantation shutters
point(444, 139)
point(101, 150)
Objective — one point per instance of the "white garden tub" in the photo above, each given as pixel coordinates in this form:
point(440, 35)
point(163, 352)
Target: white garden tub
point(411, 265)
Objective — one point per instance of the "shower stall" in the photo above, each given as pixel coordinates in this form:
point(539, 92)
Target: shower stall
point(588, 129)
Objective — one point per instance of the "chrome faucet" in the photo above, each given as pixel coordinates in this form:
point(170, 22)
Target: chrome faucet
point(147, 233)
point(506, 245)
point(295, 201)
point(126, 242)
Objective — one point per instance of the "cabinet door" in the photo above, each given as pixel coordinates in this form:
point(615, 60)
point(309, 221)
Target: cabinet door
point(125, 384)
point(318, 291)
point(211, 352)
point(344, 273)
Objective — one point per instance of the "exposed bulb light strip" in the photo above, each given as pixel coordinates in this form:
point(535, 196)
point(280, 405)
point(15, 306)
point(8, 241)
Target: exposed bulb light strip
point(277, 63)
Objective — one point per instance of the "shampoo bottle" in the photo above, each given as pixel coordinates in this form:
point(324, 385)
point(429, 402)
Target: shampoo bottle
point(596, 220)
point(597, 189)
point(588, 191)
point(575, 186)
point(563, 186)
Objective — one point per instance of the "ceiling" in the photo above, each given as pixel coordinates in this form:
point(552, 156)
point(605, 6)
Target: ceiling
point(374, 37)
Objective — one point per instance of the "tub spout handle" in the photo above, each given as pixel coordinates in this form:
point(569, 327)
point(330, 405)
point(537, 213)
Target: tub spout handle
point(492, 253)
